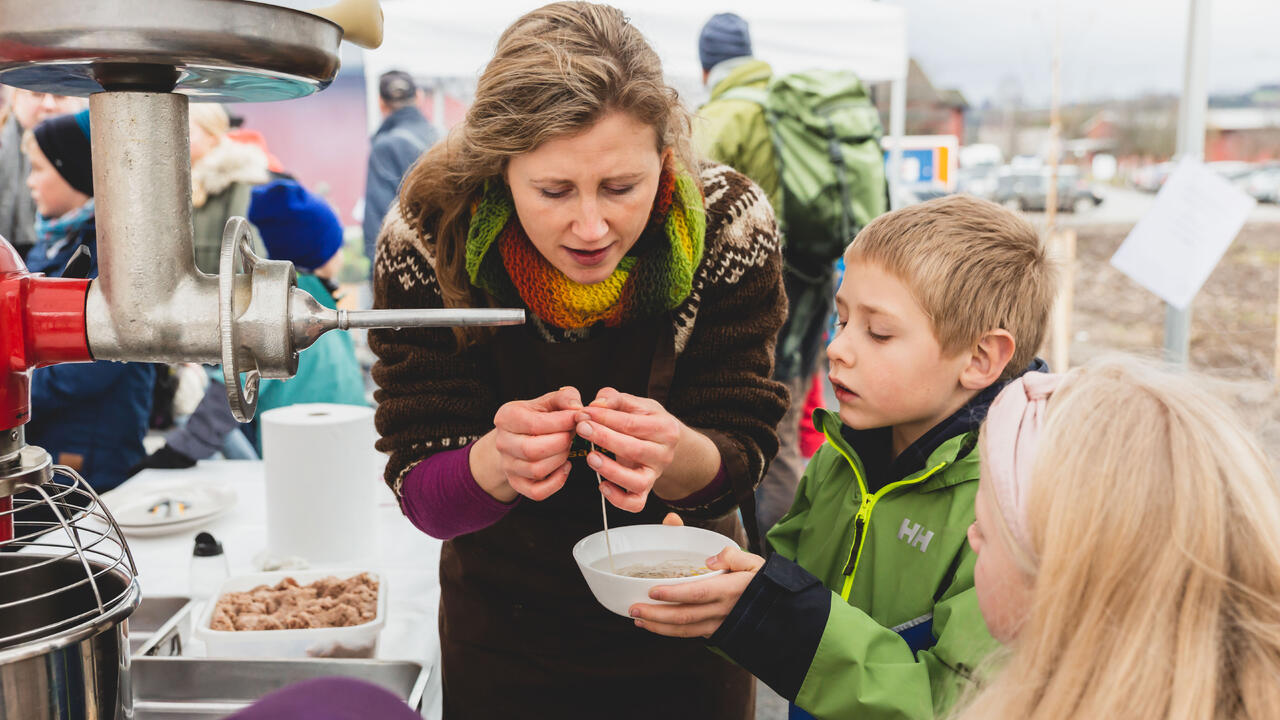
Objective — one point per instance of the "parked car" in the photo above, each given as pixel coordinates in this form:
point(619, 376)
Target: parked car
point(979, 181)
point(1028, 191)
point(1263, 184)
point(1231, 170)
point(912, 194)
point(1151, 177)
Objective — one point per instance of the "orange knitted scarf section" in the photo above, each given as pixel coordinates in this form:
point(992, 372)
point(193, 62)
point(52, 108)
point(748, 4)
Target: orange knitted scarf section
point(656, 276)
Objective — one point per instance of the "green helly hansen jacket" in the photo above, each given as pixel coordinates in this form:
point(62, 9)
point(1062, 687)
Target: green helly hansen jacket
point(867, 610)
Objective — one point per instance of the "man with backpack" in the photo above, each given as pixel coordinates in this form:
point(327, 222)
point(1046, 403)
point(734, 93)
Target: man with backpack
point(811, 141)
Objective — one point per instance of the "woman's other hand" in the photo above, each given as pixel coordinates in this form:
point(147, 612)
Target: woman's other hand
point(527, 453)
point(643, 438)
point(700, 607)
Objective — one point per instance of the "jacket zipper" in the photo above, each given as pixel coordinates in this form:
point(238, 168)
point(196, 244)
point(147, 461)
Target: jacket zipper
point(863, 517)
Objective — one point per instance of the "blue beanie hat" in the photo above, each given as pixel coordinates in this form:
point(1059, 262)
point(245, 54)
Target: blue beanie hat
point(64, 140)
point(295, 225)
point(724, 37)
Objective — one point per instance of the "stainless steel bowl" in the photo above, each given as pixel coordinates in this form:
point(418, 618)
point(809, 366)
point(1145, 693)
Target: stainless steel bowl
point(76, 672)
point(211, 50)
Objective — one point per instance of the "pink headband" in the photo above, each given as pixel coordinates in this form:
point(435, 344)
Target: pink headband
point(1011, 434)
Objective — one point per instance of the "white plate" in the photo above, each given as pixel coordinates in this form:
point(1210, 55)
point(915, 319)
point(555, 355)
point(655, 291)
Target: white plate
point(168, 506)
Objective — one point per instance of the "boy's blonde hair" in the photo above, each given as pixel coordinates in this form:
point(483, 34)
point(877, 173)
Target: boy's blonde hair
point(1154, 524)
point(972, 265)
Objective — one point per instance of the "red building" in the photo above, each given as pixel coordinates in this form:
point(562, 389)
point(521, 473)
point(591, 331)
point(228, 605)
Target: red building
point(1251, 134)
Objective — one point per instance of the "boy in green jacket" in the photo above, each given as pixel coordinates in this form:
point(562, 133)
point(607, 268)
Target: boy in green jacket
point(867, 609)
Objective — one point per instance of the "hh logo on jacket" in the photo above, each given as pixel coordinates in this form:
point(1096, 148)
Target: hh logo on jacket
point(915, 535)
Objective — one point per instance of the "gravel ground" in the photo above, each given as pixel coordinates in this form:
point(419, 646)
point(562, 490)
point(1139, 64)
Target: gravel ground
point(1233, 327)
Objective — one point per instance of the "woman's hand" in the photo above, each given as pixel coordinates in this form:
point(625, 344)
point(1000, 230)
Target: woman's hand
point(700, 607)
point(643, 438)
point(527, 453)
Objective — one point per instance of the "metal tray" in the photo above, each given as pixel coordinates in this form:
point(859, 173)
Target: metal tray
point(175, 688)
point(156, 627)
point(214, 50)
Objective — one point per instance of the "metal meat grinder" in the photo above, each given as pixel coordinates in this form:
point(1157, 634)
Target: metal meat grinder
point(66, 591)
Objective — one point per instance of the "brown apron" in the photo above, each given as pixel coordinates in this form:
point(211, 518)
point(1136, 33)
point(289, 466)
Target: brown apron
point(520, 633)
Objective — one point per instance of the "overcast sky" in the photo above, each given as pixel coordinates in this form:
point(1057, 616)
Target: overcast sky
point(1111, 48)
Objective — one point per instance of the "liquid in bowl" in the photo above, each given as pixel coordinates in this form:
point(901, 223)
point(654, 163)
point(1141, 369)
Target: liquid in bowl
point(649, 564)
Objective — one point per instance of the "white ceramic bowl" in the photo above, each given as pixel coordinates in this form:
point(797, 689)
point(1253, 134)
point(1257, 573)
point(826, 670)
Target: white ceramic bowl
point(619, 592)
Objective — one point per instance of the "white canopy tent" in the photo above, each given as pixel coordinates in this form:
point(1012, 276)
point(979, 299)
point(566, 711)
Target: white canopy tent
point(869, 38)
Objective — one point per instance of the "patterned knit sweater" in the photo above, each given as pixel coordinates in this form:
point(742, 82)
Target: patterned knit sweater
point(432, 398)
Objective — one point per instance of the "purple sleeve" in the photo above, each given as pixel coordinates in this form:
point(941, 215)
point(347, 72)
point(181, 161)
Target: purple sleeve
point(441, 497)
point(709, 492)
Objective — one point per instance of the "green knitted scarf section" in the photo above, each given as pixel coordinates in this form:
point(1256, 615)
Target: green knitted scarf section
point(657, 275)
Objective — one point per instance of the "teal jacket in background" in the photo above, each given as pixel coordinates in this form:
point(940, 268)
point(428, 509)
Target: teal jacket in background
point(328, 371)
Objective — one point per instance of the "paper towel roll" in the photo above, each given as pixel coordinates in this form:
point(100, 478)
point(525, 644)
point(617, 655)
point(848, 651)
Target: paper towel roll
point(322, 474)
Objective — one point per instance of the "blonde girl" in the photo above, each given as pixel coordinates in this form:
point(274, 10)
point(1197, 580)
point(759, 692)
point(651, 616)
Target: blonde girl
point(1128, 540)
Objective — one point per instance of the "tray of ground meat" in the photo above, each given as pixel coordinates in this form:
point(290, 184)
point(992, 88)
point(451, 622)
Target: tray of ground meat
point(296, 614)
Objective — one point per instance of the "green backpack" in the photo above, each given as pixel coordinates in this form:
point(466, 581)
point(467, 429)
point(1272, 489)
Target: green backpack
point(826, 138)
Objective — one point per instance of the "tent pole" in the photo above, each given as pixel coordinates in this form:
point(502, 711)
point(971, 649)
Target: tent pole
point(897, 128)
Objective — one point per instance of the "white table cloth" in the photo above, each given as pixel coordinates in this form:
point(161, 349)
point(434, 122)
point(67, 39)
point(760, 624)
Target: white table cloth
point(407, 557)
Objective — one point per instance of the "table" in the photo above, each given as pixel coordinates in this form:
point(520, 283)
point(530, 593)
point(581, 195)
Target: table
point(407, 557)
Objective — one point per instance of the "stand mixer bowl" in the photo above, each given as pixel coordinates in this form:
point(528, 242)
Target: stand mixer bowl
point(67, 585)
point(78, 672)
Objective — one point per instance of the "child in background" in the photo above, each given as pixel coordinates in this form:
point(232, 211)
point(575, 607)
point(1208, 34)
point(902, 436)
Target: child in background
point(1128, 541)
point(298, 226)
point(867, 609)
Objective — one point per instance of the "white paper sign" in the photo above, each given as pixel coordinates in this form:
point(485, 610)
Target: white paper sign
point(1175, 246)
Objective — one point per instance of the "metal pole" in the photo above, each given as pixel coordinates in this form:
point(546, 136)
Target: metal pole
point(1055, 129)
point(897, 128)
point(1191, 123)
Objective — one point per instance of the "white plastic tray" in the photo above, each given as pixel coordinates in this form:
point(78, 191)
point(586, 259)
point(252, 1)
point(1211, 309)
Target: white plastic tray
point(359, 641)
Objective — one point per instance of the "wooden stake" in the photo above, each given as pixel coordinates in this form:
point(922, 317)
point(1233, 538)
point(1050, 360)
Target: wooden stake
point(1063, 250)
point(1275, 372)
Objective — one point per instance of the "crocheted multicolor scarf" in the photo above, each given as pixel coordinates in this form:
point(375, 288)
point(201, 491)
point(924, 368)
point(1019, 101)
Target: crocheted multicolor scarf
point(655, 276)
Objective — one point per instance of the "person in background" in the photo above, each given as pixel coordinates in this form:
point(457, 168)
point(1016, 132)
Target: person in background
point(223, 175)
point(1128, 551)
point(89, 416)
point(299, 227)
point(23, 111)
point(652, 285)
point(248, 136)
point(736, 132)
point(403, 136)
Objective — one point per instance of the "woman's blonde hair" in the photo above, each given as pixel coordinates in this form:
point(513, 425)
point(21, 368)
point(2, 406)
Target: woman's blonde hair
point(556, 71)
point(1154, 524)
